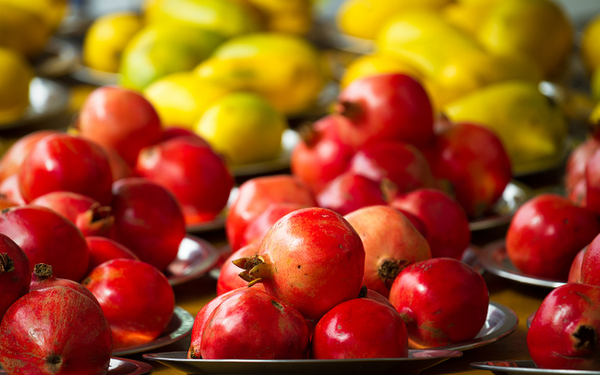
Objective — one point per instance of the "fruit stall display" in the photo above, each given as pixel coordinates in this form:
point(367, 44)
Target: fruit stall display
point(299, 186)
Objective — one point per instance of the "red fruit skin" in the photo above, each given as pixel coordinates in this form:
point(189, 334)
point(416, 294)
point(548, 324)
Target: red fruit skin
point(360, 328)
point(47, 237)
point(119, 168)
point(120, 119)
point(10, 189)
point(575, 270)
point(590, 263)
point(258, 227)
point(14, 273)
point(314, 260)
point(148, 220)
point(86, 213)
point(563, 331)
point(446, 223)
point(576, 162)
point(256, 195)
point(63, 162)
point(350, 191)
point(399, 162)
point(592, 183)
point(320, 155)
point(42, 277)
point(473, 160)
point(55, 330)
point(13, 157)
point(193, 172)
point(546, 233)
point(178, 131)
point(269, 328)
point(122, 287)
point(103, 249)
point(391, 243)
point(229, 278)
point(386, 106)
point(442, 301)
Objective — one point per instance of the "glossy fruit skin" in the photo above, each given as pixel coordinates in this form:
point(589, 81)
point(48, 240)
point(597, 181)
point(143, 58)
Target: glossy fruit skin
point(193, 172)
point(252, 324)
point(42, 277)
point(575, 270)
point(350, 191)
point(120, 119)
point(391, 243)
point(103, 249)
point(576, 164)
point(10, 189)
point(122, 287)
point(14, 273)
point(446, 222)
point(546, 233)
point(47, 237)
point(148, 220)
point(261, 224)
point(256, 195)
point(72, 336)
point(68, 163)
point(86, 213)
point(590, 263)
point(592, 183)
point(442, 301)
point(13, 157)
point(386, 106)
point(360, 328)
point(473, 160)
point(563, 333)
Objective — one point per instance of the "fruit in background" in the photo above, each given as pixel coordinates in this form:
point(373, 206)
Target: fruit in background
point(227, 18)
point(285, 69)
point(197, 176)
point(12, 159)
point(311, 259)
point(575, 167)
point(15, 274)
point(14, 84)
point(22, 30)
point(63, 162)
point(378, 331)
point(588, 50)
point(350, 191)
point(592, 183)
point(377, 63)
point(229, 278)
point(71, 334)
point(103, 249)
point(575, 270)
point(256, 195)
point(546, 233)
point(161, 49)
point(51, 12)
point(472, 160)
point(563, 331)
point(243, 127)
point(391, 243)
point(260, 225)
point(10, 190)
point(445, 221)
point(539, 29)
point(364, 18)
point(590, 263)
point(120, 119)
point(181, 98)
point(468, 15)
point(148, 220)
point(385, 106)
point(106, 38)
point(288, 16)
point(514, 110)
point(440, 311)
point(47, 237)
point(122, 287)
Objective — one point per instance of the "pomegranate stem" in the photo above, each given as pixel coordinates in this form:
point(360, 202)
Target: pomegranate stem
point(6, 263)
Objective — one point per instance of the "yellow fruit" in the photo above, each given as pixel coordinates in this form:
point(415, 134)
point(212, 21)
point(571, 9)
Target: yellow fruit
point(243, 127)
point(539, 29)
point(532, 130)
point(468, 15)
point(16, 76)
point(590, 44)
point(180, 98)
point(288, 16)
point(284, 68)
point(22, 30)
point(106, 39)
point(377, 63)
point(51, 12)
point(163, 48)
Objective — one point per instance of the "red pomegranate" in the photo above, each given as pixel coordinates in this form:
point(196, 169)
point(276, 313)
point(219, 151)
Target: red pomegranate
point(13, 157)
point(42, 277)
point(229, 278)
point(575, 270)
point(261, 224)
point(14, 273)
point(350, 191)
point(103, 249)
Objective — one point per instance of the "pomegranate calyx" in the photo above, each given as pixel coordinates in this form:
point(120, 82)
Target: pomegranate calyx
point(348, 109)
point(255, 269)
point(585, 337)
point(389, 269)
point(6, 263)
point(97, 219)
point(308, 134)
point(42, 271)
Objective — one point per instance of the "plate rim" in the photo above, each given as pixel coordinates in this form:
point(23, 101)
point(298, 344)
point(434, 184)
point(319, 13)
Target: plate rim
point(530, 368)
point(201, 269)
point(143, 368)
point(497, 220)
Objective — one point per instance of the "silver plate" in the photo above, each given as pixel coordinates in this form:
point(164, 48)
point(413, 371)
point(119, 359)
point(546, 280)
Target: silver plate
point(179, 327)
point(58, 58)
point(123, 366)
point(93, 77)
point(46, 100)
point(417, 361)
point(514, 195)
point(194, 259)
point(494, 259)
point(523, 367)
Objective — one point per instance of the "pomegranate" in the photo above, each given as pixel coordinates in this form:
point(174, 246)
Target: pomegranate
point(564, 331)
point(148, 220)
point(575, 270)
point(312, 259)
point(14, 273)
point(252, 324)
point(47, 237)
point(55, 330)
point(546, 233)
point(103, 249)
point(592, 183)
point(120, 119)
point(350, 191)
point(86, 213)
point(575, 167)
point(442, 301)
point(229, 278)
point(11, 160)
point(66, 162)
point(122, 287)
point(391, 243)
point(258, 227)
point(10, 190)
point(42, 277)
point(590, 263)
point(360, 328)
point(173, 131)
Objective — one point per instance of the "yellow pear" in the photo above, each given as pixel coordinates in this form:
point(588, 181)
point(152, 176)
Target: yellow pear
point(22, 30)
point(288, 16)
point(51, 12)
point(590, 44)
point(468, 15)
point(16, 76)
